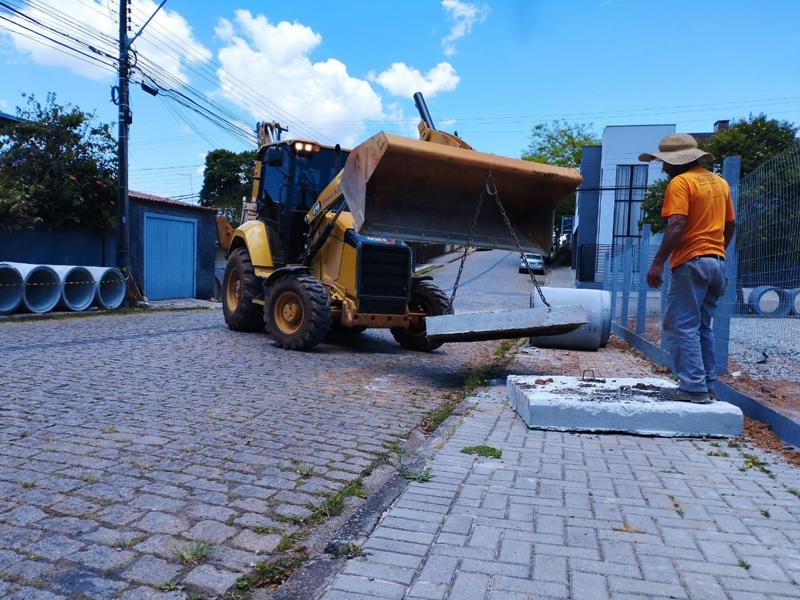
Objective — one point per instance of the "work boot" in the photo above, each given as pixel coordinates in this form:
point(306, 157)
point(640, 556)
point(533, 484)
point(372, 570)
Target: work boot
point(679, 395)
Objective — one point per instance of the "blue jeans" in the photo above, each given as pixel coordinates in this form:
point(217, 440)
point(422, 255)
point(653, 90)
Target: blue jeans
point(694, 289)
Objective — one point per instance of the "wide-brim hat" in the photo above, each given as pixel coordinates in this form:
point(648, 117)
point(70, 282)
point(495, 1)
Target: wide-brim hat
point(677, 149)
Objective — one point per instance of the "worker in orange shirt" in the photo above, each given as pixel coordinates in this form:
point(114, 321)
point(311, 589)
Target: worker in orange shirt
point(700, 225)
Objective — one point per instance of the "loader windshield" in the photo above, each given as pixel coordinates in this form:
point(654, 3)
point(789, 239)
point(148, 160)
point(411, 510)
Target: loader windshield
point(317, 171)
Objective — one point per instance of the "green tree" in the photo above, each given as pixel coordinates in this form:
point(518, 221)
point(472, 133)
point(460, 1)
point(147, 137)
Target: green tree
point(57, 167)
point(227, 178)
point(651, 206)
point(560, 143)
point(756, 139)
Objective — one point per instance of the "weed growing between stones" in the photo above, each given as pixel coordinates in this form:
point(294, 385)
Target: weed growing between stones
point(485, 451)
point(272, 572)
point(394, 458)
point(194, 553)
point(348, 549)
point(474, 378)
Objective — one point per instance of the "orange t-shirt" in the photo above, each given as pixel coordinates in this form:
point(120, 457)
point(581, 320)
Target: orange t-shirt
point(705, 199)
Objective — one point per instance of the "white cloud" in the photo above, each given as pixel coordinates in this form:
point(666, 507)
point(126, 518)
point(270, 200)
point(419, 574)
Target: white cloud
point(4, 106)
point(96, 14)
point(463, 15)
point(318, 96)
point(402, 80)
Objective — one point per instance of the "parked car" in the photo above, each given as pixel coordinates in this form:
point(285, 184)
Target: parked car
point(536, 261)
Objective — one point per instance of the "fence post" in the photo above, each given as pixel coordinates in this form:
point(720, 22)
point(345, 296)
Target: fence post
point(731, 168)
point(644, 264)
point(627, 275)
point(614, 286)
point(664, 292)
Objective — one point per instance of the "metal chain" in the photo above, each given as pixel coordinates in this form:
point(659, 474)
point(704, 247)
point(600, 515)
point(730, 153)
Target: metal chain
point(466, 246)
point(491, 190)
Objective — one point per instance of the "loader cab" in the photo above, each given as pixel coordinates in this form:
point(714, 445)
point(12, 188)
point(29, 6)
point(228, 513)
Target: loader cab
point(293, 173)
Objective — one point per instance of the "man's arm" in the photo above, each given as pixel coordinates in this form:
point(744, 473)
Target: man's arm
point(730, 228)
point(676, 227)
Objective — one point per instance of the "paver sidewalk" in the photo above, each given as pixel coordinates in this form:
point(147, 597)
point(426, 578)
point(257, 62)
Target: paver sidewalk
point(584, 517)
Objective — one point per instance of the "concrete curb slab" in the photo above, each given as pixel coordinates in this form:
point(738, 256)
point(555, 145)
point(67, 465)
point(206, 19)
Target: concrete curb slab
point(619, 405)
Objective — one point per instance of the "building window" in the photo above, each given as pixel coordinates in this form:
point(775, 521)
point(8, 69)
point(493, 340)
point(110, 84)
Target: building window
point(629, 190)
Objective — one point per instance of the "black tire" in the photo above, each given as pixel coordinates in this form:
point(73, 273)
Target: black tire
point(297, 312)
point(240, 287)
point(427, 298)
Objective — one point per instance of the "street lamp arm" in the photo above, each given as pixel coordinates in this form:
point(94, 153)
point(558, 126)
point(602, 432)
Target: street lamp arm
point(133, 39)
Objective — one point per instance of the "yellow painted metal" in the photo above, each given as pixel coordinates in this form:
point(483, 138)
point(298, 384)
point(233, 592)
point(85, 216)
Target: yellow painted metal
point(329, 195)
point(424, 191)
point(289, 312)
point(336, 262)
point(253, 235)
point(233, 291)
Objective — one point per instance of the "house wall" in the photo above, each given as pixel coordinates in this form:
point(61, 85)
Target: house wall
point(621, 146)
point(206, 242)
point(587, 203)
point(62, 246)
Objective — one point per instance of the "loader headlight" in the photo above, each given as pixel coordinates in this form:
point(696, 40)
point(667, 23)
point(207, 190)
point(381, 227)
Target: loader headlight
point(305, 148)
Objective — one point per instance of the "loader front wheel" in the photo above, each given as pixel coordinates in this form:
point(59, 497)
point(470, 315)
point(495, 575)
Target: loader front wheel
point(240, 287)
point(427, 298)
point(297, 312)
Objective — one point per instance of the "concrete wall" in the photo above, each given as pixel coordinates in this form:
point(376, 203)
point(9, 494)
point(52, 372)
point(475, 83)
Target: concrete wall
point(622, 146)
point(206, 242)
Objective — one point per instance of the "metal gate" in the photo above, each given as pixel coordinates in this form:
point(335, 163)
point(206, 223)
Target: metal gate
point(170, 248)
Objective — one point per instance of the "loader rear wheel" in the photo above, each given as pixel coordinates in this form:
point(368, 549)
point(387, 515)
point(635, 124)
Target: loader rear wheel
point(239, 287)
point(297, 312)
point(427, 298)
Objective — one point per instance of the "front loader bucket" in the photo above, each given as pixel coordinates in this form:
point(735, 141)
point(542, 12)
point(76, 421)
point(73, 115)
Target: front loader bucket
point(422, 191)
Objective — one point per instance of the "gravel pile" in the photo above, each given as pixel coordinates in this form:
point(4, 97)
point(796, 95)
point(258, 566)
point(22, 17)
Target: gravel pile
point(767, 348)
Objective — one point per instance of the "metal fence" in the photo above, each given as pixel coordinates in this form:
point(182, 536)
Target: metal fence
point(757, 322)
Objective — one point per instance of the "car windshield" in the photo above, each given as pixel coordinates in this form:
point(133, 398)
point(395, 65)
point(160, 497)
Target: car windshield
point(531, 256)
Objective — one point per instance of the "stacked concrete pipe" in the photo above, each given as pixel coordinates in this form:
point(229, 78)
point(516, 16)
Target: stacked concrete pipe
point(11, 288)
point(41, 289)
point(110, 288)
point(794, 301)
point(77, 287)
point(784, 301)
point(592, 335)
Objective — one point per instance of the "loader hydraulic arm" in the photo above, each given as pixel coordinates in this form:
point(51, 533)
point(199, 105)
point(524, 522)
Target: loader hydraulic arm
point(429, 133)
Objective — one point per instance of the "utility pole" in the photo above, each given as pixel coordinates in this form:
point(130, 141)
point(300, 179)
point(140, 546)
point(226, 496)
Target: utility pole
point(124, 121)
point(125, 118)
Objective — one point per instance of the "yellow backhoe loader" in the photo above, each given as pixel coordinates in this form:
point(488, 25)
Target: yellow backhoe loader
point(326, 250)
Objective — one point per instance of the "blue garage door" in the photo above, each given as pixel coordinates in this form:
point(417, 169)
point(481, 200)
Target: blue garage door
point(170, 247)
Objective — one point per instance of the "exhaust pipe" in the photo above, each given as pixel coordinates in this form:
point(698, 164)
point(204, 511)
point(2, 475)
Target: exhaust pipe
point(10, 289)
point(110, 288)
point(41, 290)
point(77, 287)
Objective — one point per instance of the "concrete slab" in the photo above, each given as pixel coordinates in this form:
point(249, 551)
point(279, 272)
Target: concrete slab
point(504, 324)
point(620, 405)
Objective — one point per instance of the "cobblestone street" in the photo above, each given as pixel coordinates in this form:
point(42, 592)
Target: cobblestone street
point(126, 440)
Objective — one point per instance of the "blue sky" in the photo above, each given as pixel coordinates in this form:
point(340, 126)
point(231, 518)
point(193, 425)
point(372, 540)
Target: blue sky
point(343, 71)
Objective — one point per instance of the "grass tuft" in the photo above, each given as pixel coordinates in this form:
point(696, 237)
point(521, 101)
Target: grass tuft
point(194, 553)
point(272, 572)
point(485, 451)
